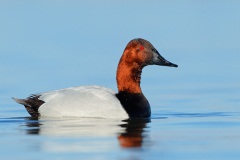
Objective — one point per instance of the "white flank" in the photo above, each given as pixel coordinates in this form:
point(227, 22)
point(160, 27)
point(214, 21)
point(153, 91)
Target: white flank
point(82, 101)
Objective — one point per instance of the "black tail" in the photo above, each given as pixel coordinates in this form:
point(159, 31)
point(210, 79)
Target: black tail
point(31, 104)
point(21, 101)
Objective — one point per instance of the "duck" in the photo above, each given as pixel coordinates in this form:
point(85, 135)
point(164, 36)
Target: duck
point(101, 102)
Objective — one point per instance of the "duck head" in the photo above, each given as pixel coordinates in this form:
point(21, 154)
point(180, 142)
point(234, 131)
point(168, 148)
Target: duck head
point(137, 54)
point(141, 52)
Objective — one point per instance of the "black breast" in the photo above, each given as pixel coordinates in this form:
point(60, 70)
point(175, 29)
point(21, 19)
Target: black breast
point(135, 104)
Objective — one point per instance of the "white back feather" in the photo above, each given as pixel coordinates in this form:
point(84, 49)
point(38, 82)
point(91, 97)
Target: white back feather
point(82, 101)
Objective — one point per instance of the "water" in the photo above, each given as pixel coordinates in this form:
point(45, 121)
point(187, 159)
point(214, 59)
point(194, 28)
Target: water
point(168, 135)
point(49, 45)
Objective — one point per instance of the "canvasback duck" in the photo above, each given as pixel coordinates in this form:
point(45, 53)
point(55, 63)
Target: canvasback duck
point(101, 102)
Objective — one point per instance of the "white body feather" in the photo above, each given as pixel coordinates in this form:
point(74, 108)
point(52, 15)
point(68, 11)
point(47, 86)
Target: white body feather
point(82, 101)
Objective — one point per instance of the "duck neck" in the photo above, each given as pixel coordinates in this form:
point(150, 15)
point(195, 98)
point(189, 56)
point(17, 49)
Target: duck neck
point(129, 92)
point(129, 77)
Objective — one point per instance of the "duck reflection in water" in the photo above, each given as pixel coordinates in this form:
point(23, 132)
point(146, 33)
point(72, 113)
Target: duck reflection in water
point(130, 133)
point(134, 133)
point(33, 125)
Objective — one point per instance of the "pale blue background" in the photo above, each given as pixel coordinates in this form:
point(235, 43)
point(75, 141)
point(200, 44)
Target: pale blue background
point(47, 45)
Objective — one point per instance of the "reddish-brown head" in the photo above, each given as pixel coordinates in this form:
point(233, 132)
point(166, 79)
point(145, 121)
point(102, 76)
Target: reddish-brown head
point(137, 54)
point(141, 52)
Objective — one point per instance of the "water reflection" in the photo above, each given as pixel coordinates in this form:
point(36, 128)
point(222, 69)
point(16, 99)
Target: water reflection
point(33, 125)
point(129, 133)
point(134, 133)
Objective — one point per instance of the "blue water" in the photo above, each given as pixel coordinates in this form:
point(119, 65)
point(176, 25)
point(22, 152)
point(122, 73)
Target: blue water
point(47, 45)
point(213, 135)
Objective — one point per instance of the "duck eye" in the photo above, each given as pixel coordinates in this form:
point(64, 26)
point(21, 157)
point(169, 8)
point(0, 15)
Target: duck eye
point(141, 48)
